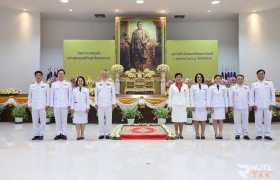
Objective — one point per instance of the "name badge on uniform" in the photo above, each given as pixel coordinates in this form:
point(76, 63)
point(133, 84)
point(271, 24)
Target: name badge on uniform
point(100, 84)
point(108, 84)
point(42, 86)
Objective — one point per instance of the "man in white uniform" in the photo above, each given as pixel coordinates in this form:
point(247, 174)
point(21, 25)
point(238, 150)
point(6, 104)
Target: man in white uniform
point(60, 101)
point(105, 101)
point(38, 102)
point(262, 99)
point(239, 104)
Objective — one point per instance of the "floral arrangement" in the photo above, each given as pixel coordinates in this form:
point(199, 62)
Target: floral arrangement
point(230, 114)
point(10, 91)
point(163, 68)
point(116, 132)
point(161, 112)
point(131, 73)
point(276, 112)
point(231, 81)
point(208, 82)
point(92, 92)
point(148, 73)
point(189, 82)
point(51, 80)
point(117, 68)
point(73, 81)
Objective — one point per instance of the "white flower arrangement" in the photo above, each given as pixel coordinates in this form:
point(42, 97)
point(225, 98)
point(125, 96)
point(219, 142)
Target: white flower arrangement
point(170, 134)
point(131, 73)
point(116, 133)
point(150, 74)
point(117, 68)
point(10, 91)
point(163, 68)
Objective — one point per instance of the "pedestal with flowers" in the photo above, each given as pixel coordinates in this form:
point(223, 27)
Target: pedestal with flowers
point(117, 69)
point(163, 69)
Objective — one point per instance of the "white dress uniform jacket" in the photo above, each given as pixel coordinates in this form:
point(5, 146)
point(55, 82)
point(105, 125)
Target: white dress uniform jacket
point(38, 95)
point(198, 96)
point(80, 99)
point(262, 94)
point(105, 95)
point(178, 98)
point(217, 98)
point(239, 96)
point(61, 92)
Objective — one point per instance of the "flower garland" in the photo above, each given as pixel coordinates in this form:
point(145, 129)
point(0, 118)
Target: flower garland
point(9, 91)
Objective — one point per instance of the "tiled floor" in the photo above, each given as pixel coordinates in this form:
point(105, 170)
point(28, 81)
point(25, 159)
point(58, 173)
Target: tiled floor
point(92, 159)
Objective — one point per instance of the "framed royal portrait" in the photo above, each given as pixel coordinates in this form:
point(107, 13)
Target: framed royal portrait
point(140, 42)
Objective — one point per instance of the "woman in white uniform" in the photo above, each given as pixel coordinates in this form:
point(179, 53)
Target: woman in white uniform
point(178, 102)
point(217, 101)
point(198, 99)
point(80, 106)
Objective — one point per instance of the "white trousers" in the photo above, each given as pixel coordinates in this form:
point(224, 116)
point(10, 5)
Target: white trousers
point(263, 115)
point(241, 118)
point(61, 114)
point(105, 120)
point(39, 128)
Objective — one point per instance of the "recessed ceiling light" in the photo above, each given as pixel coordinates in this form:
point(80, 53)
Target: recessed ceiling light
point(163, 11)
point(215, 2)
point(254, 11)
point(64, 1)
point(24, 9)
point(140, 1)
point(70, 10)
point(209, 11)
point(117, 10)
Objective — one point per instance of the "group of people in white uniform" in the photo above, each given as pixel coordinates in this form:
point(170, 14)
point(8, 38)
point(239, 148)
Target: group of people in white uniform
point(62, 100)
point(215, 99)
point(200, 99)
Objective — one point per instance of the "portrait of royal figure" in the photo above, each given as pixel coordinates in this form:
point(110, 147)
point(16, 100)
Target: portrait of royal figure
point(141, 42)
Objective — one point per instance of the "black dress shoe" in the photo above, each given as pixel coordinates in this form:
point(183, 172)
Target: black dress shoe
point(101, 137)
point(246, 137)
point(258, 137)
point(267, 138)
point(237, 137)
point(202, 137)
point(181, 137)
point(197, 137)
point(217, 137)
point(40, 137)
point(78, 138)
point(57, 137)
point(35, 138)
point(63, 137)
point(107, 137)
point(82, 137)
point(221, 137)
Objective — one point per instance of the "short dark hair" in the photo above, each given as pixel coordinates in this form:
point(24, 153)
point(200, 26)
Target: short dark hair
point(38, 72)
point(60, 70)
point(195, 79)
point(178, 74)
point(240, 76)
point(260, 70)
point(217, 75)
point(80, 77)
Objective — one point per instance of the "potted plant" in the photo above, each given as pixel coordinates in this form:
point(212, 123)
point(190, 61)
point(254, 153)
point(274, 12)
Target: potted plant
point(19, 113)
point(49, 115)
point(130, 113)
point(189, 117)
point(2, 108)
point(161, 114)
